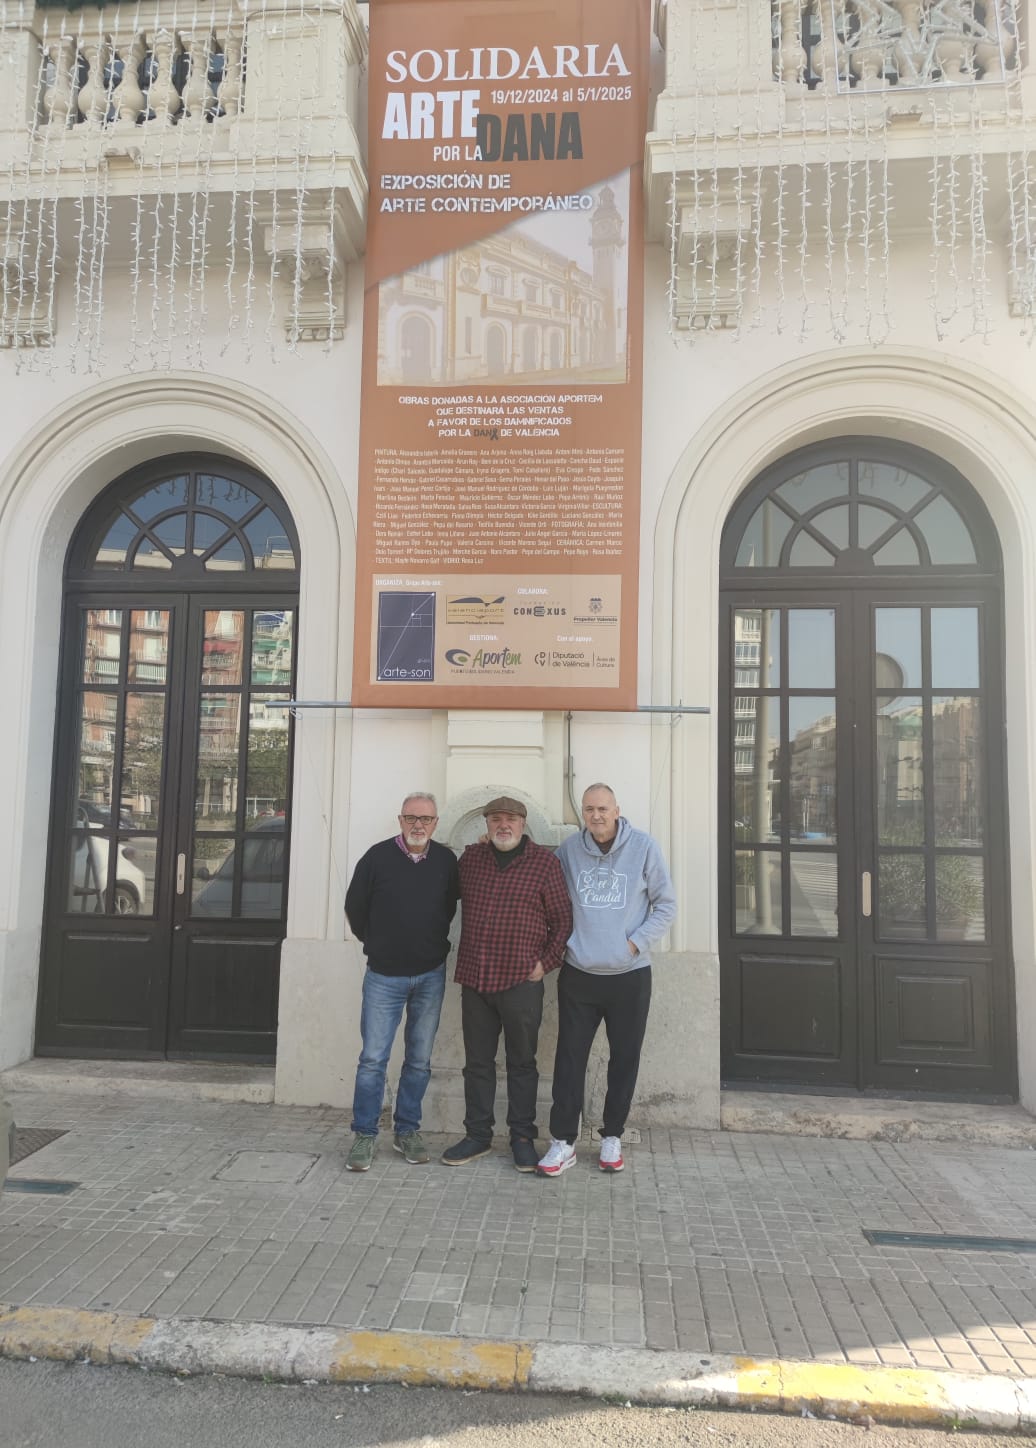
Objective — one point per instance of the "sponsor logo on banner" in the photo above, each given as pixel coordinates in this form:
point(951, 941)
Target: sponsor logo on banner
point(483, 660)
point(474, 609)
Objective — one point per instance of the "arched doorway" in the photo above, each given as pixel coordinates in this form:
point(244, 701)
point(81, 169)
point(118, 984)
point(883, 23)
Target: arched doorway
point(167, 870)
point(496, 351)
point(416, 348)
point(864, 936)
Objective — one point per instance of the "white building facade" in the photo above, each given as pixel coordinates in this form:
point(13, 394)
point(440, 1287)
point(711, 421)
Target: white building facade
point(838, 551)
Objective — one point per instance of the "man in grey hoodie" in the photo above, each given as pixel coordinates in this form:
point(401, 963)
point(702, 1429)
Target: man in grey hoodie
point(623, 902)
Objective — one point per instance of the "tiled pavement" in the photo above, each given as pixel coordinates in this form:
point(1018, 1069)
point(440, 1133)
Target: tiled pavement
point(709, 1242)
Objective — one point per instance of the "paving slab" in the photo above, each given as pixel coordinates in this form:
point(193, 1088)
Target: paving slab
point(739, 1245)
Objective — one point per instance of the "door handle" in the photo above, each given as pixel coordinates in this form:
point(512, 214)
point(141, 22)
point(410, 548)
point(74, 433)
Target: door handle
point(865, 893)
point(181, 873)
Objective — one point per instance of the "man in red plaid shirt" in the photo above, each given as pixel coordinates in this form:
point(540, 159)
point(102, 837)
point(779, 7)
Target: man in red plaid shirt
point(517, 917)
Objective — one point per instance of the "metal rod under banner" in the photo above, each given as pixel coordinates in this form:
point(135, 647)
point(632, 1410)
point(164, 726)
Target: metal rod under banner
point(294, 704)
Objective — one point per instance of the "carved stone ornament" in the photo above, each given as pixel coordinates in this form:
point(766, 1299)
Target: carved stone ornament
point(707, 294)
point(307, 261)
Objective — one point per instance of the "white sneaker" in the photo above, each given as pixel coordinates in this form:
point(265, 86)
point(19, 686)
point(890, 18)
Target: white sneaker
point(559, 1157)
point(611, 1154)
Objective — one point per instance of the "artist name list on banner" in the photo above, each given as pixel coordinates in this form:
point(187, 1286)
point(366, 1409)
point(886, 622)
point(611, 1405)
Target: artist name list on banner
point(501, 416)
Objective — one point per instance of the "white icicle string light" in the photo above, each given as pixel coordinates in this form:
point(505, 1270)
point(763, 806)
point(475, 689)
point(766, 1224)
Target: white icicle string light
point(980, 299)
point(758, 80)
point(866, 217)
point(935, 221)
point(803, 100)
point(303, 150)
point(739, 189)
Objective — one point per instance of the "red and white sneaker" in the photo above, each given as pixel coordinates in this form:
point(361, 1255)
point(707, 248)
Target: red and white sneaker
point(611, 1154)
point(558, 1158)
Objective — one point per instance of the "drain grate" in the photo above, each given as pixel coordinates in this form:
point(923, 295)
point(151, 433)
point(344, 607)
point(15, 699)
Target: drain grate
point(949, 1241)
point(36, 1186)
point(29, 1139)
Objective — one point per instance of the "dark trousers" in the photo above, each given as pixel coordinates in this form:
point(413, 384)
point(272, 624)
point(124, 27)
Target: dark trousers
point(584, 1000)
point(484, 1015)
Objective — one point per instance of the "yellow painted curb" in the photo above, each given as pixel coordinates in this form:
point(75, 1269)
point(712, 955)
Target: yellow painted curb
point(421, 1360)
point(901, 1395)
point(65, 1333)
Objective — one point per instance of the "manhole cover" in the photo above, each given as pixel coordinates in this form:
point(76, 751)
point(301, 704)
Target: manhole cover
point(281, 1167)
point(28, 1139)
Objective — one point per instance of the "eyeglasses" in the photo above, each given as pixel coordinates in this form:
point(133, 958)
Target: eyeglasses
point(425, 820)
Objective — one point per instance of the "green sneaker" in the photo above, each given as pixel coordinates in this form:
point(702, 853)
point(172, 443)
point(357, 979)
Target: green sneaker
point(411, 1148)
point(361, 1153)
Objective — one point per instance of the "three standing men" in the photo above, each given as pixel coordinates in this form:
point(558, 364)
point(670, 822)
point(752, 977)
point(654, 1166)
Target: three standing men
point(400, 902)
point(517, 918)
point(623, 903)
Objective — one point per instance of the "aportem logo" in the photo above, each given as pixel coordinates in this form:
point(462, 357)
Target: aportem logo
point(483, 659)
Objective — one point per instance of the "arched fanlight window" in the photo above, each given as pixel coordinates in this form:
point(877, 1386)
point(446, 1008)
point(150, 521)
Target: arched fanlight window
point(200, 519)
point(858, 509)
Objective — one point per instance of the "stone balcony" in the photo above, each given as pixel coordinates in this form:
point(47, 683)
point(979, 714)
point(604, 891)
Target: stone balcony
point(126, 108)
point(769, 108)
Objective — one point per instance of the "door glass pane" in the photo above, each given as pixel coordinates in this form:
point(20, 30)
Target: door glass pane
point(142, 756)
point(225, 496)
point(899, 552)
point(87, 867)
point(891, 484)
point(149, 645)
point(948, 539)
point(218, 739)
point(171, 493)
point(212, 877)
point(871, 523)
point(149, 555)
point(112, 552)
point(955, 648)
point(98, 717)
point(272, 646)
point(901, 897)
point(207, 531)
point(834, 524)
point(223, 646)
point(757, 648)
point(957, 771)
point(134, 888)
point(757, 789)
point(757, 892)
point(960, 898)
point(269, 542)
point(266, 786)
point(102, 645)
point(262, 871)
point(173, 533)
point(814, 893)
point(760, 545)
point(813, 769)
point(897, 647)
point(899, 777)
point(817, 485)
point(811, 648)
point(228, 559)
point(806, 552)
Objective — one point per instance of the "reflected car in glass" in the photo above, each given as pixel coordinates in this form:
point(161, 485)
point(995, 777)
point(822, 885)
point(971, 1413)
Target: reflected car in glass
point(89, 869)
point(262, 876)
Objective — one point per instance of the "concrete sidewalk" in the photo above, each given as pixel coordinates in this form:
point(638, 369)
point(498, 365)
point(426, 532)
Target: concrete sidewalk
point(719, 1267)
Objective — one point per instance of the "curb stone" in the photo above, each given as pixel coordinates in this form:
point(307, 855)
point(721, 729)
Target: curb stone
point(681, 1379)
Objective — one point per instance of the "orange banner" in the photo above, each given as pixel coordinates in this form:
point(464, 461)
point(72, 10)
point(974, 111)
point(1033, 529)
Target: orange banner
point(499, 500)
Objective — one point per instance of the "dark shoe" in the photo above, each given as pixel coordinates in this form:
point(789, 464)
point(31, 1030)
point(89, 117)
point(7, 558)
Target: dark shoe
point(361, 1154)
point(410, 1147)
point(467, 1150)
point(525, 1155)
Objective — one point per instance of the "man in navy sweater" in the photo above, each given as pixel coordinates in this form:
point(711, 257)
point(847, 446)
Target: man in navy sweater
point(400, 902)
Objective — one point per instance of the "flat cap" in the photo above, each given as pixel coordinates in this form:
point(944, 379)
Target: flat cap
point(505, 805)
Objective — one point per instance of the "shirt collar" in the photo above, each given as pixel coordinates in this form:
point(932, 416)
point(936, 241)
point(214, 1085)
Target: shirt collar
point(409, 853)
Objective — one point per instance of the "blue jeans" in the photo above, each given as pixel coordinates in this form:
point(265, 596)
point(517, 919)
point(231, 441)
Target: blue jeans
point(385, 997)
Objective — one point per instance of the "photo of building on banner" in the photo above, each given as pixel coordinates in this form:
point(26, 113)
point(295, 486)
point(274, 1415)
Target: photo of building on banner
point(501, 410)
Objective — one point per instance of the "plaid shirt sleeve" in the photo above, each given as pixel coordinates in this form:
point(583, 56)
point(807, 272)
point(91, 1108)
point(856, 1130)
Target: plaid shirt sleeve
point(511, 918)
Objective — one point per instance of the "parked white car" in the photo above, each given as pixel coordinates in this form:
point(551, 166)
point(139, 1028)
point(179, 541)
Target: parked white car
point(90, 870)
